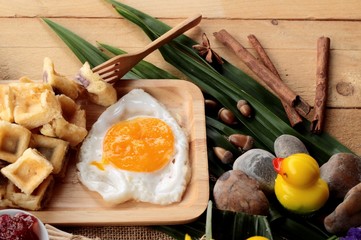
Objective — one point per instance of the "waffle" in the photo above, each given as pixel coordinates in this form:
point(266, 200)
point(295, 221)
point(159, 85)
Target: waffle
point(71, 111)
point(35, 201)
point(62, 129)
point(29, 171)
point(100, 92)
point(6, 103)
point(14, 140)
point(35, 105)
point(52, 149)
point(60, 83)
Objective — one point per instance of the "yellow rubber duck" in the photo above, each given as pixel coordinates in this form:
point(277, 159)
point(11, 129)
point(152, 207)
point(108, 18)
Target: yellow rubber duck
point(257, 238)
point(298, 186)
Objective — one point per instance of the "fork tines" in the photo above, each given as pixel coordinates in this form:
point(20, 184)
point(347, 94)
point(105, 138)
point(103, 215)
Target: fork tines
point(109, 70)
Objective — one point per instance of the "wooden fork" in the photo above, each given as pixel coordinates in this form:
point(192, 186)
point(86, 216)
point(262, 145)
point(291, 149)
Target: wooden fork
point(118, 66)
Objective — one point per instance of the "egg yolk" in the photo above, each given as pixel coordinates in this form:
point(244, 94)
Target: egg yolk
point(140, 145)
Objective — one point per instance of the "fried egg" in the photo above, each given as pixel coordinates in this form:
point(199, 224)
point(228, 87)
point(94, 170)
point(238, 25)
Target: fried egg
point(137, 151)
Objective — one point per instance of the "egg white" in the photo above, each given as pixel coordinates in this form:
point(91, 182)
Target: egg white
point(164, 186)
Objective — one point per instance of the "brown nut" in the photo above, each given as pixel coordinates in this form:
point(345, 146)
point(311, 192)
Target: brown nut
point(244, 108)
point(211, 104)
point(227, 116)
point(244, 142)
point(223, 155)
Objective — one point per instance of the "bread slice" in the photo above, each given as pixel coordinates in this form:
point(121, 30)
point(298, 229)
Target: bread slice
point(14, 140)
point(53, 149)
point(29, 171)
point(35, 201)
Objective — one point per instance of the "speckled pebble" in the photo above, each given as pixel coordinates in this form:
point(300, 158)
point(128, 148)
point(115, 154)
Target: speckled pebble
point(341, 172)
point(257, 163)
point(286, 145)
point(347, 214)
point(237, 192)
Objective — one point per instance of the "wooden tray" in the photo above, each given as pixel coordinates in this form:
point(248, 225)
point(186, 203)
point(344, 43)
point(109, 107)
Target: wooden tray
point(73, 204)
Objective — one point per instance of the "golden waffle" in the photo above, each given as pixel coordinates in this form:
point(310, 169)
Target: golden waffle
point(35, 201)
point(14, 140)
point(60, 83)
point(62, 129)
point(53, 149)
point(100, 92)
point(29, 171)
point(35, 110)
point(71, 111)
point(6, 103)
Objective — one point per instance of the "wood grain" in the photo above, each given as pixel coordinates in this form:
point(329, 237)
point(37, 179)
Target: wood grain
point(239, 9)
point(287, 29)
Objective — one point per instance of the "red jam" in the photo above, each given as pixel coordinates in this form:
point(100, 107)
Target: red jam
point(18, 227)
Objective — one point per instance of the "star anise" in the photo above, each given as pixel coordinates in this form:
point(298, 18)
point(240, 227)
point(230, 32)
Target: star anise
point(206, 51)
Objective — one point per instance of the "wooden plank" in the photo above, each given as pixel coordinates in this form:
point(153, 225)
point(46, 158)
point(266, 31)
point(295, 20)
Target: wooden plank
point(279, 9)
point(281, 34)
point(293, 54)
point(343, 124)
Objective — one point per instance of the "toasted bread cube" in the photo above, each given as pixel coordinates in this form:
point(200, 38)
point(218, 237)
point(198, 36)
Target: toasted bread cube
point(36, 110)
point(35, 201)
point(29, 171)
point(60, 83)
point(53, 149)
point(71, 111)
point(7, 100)
point(14, 140)
point(100, 92)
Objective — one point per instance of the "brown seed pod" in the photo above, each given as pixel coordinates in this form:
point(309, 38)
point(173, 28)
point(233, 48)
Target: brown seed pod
point(244, 142)
point(224, 155)
point(226, 116)
point(211, 106)
point(244, 108)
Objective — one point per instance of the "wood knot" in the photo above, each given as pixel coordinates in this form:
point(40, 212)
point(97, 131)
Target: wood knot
point(274, 22)
point(345, 88)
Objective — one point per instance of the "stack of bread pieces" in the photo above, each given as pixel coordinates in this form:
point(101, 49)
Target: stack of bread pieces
point(39, 122)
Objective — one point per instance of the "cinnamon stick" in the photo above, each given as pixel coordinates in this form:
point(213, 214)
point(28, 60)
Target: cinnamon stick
point(264, 73)
point(323, 52)
point(291, 113)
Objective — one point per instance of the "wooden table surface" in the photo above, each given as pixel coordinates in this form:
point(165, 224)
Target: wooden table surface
point(288, 30)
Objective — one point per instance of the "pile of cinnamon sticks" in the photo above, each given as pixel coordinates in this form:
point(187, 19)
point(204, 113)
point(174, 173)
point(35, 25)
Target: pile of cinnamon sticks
point(295, 106)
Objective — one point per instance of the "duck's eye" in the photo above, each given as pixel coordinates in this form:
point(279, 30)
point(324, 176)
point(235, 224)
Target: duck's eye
point(285, 175)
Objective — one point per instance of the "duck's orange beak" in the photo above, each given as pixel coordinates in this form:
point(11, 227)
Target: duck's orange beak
point(277, 162)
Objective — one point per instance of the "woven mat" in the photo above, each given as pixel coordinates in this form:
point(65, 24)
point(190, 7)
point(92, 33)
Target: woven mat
point(118, 233)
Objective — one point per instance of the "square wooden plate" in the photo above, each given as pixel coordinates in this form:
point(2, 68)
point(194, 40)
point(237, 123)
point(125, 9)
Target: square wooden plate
point(73, 204)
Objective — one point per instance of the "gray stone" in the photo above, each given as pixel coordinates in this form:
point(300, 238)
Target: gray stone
point(257, 163)
point(341, 172)
point(286, 145)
